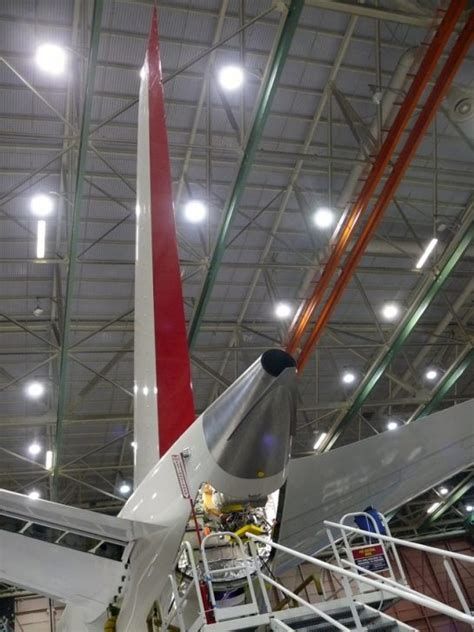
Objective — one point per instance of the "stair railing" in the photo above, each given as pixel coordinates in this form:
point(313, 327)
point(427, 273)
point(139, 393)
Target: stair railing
point(176, 609)
point(393, 543)
point(381, 583)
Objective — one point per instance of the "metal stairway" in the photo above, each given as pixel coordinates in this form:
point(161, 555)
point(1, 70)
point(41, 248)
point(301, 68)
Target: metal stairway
point(365, 593)
point(371, 620)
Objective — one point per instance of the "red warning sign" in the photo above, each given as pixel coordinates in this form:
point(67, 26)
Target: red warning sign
point(370, 557)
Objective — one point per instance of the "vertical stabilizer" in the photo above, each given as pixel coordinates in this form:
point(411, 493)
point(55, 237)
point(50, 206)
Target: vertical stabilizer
point(163, 404)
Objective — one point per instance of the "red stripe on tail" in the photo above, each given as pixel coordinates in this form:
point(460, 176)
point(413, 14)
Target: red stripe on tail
point(173, 374)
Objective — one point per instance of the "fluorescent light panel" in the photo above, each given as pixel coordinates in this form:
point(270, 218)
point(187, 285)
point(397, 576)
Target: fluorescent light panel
point(40, 239)
point(49, 460)
point(433, 508)
point(429, 249)
point(320, 440)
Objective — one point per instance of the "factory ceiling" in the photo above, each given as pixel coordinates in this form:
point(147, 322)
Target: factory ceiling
point(66, 317)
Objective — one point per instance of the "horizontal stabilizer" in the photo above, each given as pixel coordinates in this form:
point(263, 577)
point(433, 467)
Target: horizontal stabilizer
point(79, 521)
point(64, 552)
point(385, 471)
point(78, 578)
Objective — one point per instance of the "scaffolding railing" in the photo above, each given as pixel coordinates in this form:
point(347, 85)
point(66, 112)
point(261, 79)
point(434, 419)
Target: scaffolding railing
point(389, 545)
point(382, 584)
point(261, 609)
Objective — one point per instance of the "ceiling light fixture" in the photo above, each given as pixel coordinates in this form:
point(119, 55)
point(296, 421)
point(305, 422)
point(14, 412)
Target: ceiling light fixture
point(38, 310)
point(443, 491)
point(125, 488)
point(433, 507)
point(51, 58)
point(231, 77)
point(41, 239)
point(428, 250)
point(431, 374)
point(48, 463)
point(42, 205)
point(390, 311)
point(195, 211)
point(282, 310)
point(34, 448)
point(469, 508)
point(34, 390)
point(34, 494)
point(392, 425)
point(319, 440)
point(348, 377)
point(323, 217)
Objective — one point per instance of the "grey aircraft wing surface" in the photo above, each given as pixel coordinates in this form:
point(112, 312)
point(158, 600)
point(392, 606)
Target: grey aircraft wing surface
point(384, 471)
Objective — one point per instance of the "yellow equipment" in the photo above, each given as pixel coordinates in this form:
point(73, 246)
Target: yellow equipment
point(249, 528)
point(110, 624)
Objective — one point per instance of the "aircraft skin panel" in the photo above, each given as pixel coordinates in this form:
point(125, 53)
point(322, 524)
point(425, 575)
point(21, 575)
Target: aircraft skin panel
point(81, 579)
point(384, 471)
point(163, 397)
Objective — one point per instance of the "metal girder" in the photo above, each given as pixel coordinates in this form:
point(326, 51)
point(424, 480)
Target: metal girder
point(418, 307)
point(263, 109)
point(355, 213)
point(456, 494)
point(185, 67)
point(74, 235)
point(201, 100)
point(355, 8)
point(298, 167)
point(462, 362)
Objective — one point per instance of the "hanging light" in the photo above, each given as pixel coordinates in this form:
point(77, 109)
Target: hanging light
point(282, 310)
point(231, 77)
point(34, 448)
point(323, 217)
point(42, 205)
point(34, 390)
point(51, 58)
point(431, 374)
point(125, 488)
point(390, 311)
point(195, 211)
point(348, 377)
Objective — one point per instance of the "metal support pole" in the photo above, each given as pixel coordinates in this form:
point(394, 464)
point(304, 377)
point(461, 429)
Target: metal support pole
point(74, 237)
point(255, 134)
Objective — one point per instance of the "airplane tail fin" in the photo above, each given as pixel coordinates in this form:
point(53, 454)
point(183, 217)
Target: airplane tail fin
point(163, 402)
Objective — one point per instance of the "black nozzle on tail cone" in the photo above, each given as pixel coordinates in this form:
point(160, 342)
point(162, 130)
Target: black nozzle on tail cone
point(275, 361)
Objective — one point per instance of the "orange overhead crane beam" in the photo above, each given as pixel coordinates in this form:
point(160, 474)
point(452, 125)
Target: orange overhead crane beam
point(447, 74)
point(418, 85)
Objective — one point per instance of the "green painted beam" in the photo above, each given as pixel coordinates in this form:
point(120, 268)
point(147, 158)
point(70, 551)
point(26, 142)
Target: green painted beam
point(446, 384)
point(74, 238)
point(416, 311)
point(453, 498)
point(267, 94)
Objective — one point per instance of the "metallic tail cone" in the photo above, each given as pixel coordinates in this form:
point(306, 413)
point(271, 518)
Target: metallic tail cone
point(248, 428)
